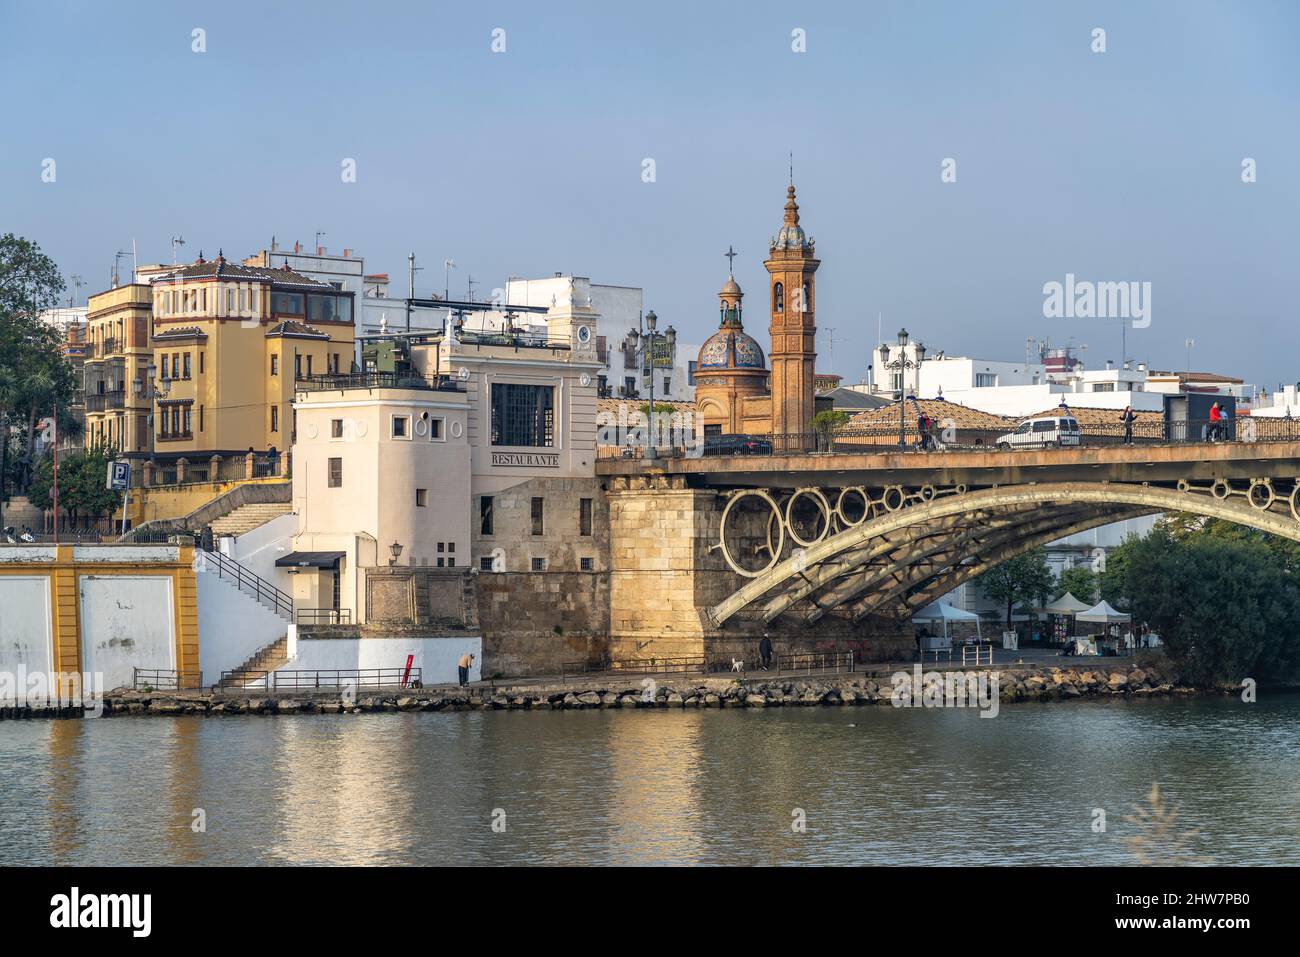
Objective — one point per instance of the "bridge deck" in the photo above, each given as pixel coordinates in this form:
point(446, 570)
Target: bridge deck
point(981, 466)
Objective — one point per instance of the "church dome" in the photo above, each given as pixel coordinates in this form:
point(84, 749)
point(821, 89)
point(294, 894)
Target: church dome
point(732, 288)
point(731, 349)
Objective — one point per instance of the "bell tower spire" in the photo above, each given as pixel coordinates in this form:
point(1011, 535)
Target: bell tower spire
point(791, 265)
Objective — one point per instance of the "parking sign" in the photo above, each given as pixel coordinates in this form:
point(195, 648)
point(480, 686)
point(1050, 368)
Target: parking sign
point(119, 476)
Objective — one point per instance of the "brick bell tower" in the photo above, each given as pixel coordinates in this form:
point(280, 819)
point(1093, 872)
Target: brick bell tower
point(791, 265)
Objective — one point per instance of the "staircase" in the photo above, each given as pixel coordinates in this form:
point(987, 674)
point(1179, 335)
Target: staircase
point(245, 518)
point(254, 669)
point(251, 584)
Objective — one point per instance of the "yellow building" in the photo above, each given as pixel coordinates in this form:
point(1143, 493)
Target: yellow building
point(117, 356)
point(229, 342)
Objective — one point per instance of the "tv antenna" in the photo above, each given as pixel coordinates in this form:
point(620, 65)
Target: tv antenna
point(176, 242)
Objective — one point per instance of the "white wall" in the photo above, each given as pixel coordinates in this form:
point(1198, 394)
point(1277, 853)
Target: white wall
point(436, 657)
point(26, 636)
point(232, 624)
point(126, 623)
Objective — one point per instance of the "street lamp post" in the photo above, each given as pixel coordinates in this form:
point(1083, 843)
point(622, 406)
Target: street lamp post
point(901, 364)
point(647, 344)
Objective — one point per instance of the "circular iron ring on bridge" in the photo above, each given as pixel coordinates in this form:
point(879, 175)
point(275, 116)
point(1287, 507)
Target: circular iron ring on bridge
point(1252, 497)
point(775, 511)
point(1184, 485)
point(900, 498)
point(816, 495)
point(1221, 484)
point(861, 493)
point(1294, 500)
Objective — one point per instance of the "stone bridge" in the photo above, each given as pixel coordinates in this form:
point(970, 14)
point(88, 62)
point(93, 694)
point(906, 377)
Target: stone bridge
point(707, 552)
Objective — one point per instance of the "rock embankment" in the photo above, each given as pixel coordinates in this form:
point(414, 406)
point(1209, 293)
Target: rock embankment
point(1014, 685)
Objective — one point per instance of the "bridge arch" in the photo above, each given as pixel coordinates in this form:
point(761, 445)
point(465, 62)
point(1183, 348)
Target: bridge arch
point(941, 539)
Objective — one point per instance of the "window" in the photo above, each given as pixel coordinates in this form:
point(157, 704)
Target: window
point(421, 497)
point(435, 430)
point(523, 415)
point(230, 302)
point(336, 428)
point(287, 302)
point(275, 418)
point(336, 473)
point(309, 365)
point(401, 426)
point(187, 365)
point(200, 413)
point(200, 363)
point(451, 563)
point(441, 546)
point(587, 564)
point(328, 309)
point(778, 298)
point(485, 515)
point(537, 515)
point(297, 365)
point(185, 420)
point(485, 564)
point(440, 564)
point(985, 380)
point(539, 564)
point(334, 363)
point(668, 384)
point(275, 365)
point(584, 516)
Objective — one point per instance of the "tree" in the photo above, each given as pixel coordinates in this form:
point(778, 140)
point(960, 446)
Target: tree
point(1223, 605)
point(1024, 579)
point(82, 480)
point(1080, 581)
point(34, 374)
point(826, 423)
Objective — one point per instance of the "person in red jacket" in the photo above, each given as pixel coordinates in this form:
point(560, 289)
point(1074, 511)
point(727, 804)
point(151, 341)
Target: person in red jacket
point(1216, 417)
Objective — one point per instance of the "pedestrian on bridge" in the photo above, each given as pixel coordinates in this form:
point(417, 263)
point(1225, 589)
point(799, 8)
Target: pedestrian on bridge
point(765, 651)
point(1127, 418)
point(1216, 418)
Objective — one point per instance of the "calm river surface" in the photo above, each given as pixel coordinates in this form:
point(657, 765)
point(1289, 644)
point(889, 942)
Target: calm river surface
point(681, 787)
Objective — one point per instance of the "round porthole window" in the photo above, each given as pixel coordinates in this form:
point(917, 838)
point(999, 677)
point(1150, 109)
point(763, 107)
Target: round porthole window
point(421, 427)
point(457, 429)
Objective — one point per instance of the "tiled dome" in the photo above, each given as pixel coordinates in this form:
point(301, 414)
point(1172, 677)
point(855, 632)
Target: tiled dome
point(731, 349)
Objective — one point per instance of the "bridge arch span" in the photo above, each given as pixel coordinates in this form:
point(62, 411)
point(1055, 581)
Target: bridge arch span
point(945, 539)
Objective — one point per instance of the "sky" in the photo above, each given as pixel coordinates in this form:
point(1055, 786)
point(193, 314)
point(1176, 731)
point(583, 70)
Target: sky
point(1117, 166)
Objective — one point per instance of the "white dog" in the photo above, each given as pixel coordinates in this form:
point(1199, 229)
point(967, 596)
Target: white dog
point(737, 664)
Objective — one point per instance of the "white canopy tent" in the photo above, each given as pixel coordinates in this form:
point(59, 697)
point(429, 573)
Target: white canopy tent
point(942, 612)
point(1103, 612)
point(1067, 604)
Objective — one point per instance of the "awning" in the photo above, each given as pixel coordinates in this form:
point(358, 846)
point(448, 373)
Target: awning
point(1104, 613)
point(310, 560)
point(1067, 604)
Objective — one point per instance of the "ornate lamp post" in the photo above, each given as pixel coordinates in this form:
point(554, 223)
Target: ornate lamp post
point(900, 364)
point(648, 347)
point(395, 550)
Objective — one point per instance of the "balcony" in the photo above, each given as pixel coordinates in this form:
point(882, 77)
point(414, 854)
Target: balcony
point(103, 401)
point(375, 380)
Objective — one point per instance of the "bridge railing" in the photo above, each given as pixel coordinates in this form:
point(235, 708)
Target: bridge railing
point(1097, 432)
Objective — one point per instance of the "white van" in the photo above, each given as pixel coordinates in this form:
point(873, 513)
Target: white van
point(1051, 432)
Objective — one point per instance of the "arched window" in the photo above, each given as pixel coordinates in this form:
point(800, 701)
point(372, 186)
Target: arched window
point(805, 303)
point(778, 298)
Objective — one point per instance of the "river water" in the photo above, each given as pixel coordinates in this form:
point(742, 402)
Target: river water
point(874, 784)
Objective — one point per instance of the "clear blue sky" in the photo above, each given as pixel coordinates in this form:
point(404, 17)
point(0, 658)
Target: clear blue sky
point(1117, 166)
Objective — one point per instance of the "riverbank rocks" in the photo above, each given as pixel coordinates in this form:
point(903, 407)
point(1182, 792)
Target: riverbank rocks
point(1123, 679)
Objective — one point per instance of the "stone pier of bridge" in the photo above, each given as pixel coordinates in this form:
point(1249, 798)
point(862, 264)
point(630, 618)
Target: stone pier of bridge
point(665, 572)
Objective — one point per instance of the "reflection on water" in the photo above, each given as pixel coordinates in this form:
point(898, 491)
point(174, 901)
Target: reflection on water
point(876, 785)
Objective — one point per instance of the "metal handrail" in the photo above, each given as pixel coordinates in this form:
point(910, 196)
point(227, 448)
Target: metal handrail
point(328, 616)
point(808, 662)
point(251, 584)
point(352, 678)
point(166, 679)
